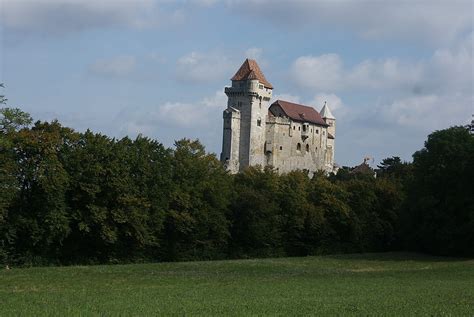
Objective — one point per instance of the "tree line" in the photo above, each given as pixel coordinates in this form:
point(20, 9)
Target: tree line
point(68, 197)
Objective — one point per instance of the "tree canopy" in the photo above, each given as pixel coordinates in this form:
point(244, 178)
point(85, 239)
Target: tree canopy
point(69, 197)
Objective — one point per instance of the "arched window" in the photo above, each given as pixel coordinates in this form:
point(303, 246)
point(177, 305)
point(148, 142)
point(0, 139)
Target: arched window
point(298, 147)
point(259, 122)
point(307, 147)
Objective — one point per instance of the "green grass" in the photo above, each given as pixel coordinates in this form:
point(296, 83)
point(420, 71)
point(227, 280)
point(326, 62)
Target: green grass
point(365, 284)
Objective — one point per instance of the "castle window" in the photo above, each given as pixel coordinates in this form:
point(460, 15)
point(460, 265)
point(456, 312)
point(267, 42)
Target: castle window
point(298, 147)
point(317, 131)
point(299, 128)
point(260, 86)
point(281, 147)
point(304, 128)
point(294, 127)
point(307, 147)
point(259, 122)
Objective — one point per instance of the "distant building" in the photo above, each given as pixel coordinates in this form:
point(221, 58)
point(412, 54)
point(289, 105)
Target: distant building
point(284, 135)
point(364, 168)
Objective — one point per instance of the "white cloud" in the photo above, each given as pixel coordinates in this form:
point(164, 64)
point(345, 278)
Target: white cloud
point(179, 114)
point(447, 70)
point(172, 120)
point(428, 112)
point(385, 73)
point(192, 114)
point(327, 72)
point(322, 72)
point(64, 16)
point(453, 68)
point(333, 101)
point(432, 21)
point(116, 67)
point(205, 3)
point(203, 67)
point(254, 53)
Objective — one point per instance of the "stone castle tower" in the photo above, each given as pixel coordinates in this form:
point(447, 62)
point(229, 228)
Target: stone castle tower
point(244, 118)
point(284, 135)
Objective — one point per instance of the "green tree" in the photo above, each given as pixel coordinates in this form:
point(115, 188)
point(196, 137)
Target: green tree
point(13, 119)
point(301, 222)
point(255, 217)
point(338, 231)
point(196, 225)
point(39, 213)
point(440, 215)
point(394, 168)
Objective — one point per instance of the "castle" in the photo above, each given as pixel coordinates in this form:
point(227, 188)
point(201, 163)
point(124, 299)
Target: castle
point(284, 135)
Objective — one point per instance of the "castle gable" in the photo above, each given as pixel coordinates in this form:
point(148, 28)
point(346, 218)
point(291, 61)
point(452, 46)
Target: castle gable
point(251, 70)
point(297, 112)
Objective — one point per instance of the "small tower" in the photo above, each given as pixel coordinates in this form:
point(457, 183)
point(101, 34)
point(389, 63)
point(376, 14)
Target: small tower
point(331, 135)
point(329, 119)
point(245, 117)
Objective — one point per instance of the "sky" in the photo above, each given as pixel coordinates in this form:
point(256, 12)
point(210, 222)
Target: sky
point(392, 72)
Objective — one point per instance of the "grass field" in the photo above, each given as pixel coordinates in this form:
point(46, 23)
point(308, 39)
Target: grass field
point(366, 284)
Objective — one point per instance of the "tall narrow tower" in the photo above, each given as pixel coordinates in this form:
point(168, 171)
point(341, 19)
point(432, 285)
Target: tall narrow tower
point(244, 119)
point(330, 145)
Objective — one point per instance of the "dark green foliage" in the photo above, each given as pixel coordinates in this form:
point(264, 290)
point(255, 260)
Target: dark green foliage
point(196, 226)
point(69, 197)
point(255, 214)
point(302, 222)
point(441, 199)
point(393, 168)
point(13, 119)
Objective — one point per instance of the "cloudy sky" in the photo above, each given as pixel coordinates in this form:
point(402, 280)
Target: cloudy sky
point(391, 71)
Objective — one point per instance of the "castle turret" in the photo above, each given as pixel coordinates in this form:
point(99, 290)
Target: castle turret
point(330, 120)
point(245, 118)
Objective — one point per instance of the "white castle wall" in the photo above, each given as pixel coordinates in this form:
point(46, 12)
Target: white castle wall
point(283, 152)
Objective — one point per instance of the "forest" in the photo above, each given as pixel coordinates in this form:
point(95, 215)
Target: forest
point(84, 198)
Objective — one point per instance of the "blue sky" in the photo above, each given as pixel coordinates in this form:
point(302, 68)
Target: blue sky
point(391, 71)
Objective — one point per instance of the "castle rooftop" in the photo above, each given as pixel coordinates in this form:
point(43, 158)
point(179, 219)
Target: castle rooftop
point(326, 112)
point(299, 112)
point(251, 70)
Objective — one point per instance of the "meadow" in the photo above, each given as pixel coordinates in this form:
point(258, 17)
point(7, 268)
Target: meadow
point(358, 284)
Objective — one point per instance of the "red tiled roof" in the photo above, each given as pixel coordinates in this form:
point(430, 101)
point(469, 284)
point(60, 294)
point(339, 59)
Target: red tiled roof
point(299, 112)
point(250, 70)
